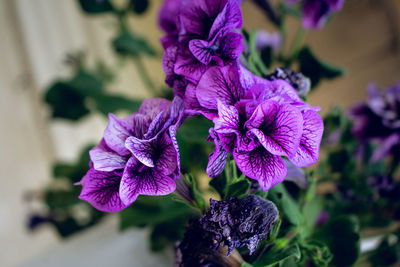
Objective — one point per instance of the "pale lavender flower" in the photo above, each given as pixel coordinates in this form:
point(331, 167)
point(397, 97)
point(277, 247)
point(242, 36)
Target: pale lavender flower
point(137, 156)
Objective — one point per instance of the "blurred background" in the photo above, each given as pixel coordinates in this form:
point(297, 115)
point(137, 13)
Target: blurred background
point(37, 35)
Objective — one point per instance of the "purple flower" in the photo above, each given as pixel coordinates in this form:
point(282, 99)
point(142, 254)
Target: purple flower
point(239, 222)
point(378, 120)
point(137, 156)
point(316, 12)
point(259, 121)
point(199, 34)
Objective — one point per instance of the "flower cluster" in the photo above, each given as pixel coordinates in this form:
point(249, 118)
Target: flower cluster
point(258, 120)
point(316, 12)
point(137, 156)
point(379, 120)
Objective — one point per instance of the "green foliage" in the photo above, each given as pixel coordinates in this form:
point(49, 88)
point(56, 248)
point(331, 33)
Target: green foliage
point(341, 235)
point(163, 215)
point(93, 7)
point(286, 204)
point(316, 69)
point(140, 6)
point(318, 252)
point(128, 44)
point(238, 189)
point(277, 256)
point(388, 251)
point(71, 99)
point(107, 103)
point(152, 210)
point(66, 102)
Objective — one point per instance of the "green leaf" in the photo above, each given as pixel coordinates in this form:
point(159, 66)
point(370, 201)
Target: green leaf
point(86, 83)
point(140, 6)
point(96, 6)
point(318, 252)
point(238, 189)
point(151, 211)
point(293, 11)
point(286, 204)
point(195, 129)
point(198, 197)
point(168, 233)
point(129, 44)
point(342, 237)
point(66, 102)
point(275, 256)
point(219, 184)
point(316, 69)
point(113, 103)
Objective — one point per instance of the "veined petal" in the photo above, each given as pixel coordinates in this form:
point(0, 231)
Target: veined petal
point(259, 164)
point(228, 119)
point(308, 151)
point(115, 134)
point(281, 128)
point(219, 83)
point(143, 181)
point(202, 50)
point(101, 190)
point(167, 155)
point(216, 159)
point(230, 18)
point(104, 159)
point(141, 149)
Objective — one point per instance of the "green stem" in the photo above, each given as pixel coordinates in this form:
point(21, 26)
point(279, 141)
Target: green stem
point(145, 75)
point(296, 45)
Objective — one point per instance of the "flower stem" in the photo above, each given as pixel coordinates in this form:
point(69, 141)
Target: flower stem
point(296, 45)
point(144, 75)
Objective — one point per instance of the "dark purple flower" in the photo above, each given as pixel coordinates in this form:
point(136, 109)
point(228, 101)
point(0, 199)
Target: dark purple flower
point(239, 222)
point(378, 120)
point(259, 121)
point(316, 12)
point(137, 156)
point(298, 81)
point(199, 34)
point(197, 249)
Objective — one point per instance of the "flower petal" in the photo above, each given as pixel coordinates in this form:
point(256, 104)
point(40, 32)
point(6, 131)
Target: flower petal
point(281, 127)
point(101, 190)
point(115, 134)
point(147, 181)
point(216, 159)
point(228, 119)
point(259, 164)
point(219, 83)
point(141, 149)
point(104, 159)
point(308, 151)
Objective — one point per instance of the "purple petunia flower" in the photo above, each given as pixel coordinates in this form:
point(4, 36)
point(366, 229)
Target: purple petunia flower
point(316, 12)
point(259, 121)
point(239, 222)
point(199, 34)
point(378, 120)
point(137, 156)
